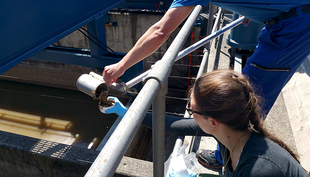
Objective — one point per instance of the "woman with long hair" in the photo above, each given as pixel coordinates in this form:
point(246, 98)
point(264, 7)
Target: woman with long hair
point(224, 105)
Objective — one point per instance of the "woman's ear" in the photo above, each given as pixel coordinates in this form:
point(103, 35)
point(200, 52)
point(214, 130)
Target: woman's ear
point(214, 124)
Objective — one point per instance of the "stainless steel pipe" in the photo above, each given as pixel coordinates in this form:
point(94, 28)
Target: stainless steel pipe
point(115, 148)
point(91, 85)
point(190, 49)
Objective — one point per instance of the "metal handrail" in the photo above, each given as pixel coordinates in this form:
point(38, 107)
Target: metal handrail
point(203, 66)
point(110, 156)
point(205, 58)
point(183, 53)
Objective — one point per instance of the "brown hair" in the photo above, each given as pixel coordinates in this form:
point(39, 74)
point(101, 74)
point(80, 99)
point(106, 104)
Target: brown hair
point(228, 97)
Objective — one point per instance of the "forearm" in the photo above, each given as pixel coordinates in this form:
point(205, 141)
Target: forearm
point(145, 46)
point(155, 36)
point(148, 43)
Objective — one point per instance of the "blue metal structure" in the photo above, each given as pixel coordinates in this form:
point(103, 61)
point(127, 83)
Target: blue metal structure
point(28, 27)
point(146, 4)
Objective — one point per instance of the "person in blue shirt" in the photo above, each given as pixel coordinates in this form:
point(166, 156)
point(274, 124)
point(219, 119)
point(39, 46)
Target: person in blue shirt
point(283, 44)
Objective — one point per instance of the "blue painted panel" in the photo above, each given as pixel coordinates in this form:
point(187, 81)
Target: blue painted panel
point(29, 26)
point(146, 4)
point(83, 58)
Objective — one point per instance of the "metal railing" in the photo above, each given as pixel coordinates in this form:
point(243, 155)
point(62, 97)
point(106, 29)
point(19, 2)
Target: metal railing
point(115, 148)
point(203, 66)
point(153, 91)
point(183, 53)
point(205, 58)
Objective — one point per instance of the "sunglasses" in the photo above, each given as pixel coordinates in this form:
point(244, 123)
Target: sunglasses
point(192, 111)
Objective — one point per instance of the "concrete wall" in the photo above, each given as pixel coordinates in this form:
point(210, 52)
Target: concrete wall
point(22, 156)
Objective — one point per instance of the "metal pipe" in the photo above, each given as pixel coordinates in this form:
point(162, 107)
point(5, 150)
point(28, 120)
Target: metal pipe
point(160, 72)
point(204, 62)
point(216, 24)
point(158, 114)
point(91, 86)
point(115, 148)
point(210, 22)
point(217, 20)
point(203, 66)
point(111, 154)
point(208, 38)
point(190, 49)
point(137, 79)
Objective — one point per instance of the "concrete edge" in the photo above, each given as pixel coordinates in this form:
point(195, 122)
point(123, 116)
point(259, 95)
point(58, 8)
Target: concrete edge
point(297, 102)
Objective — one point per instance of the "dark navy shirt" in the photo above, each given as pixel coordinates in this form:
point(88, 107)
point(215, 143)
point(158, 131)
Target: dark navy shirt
point(256, 10)
point(262, 157)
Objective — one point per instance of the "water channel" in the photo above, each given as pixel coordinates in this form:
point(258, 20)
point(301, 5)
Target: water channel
point(60, 115)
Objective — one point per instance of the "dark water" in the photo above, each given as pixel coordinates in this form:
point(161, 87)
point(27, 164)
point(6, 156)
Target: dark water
point(80, 109)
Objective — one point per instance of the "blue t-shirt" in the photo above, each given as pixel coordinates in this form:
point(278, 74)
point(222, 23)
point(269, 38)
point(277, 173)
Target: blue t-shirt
point(256, 10)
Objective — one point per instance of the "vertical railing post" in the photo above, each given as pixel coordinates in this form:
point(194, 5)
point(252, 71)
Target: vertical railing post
point(210, 22)
point(158, 114)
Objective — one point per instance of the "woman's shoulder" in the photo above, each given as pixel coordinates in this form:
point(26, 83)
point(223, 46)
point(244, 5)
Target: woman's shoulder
point(261, 146)
point(263, 154)
point(264, 148)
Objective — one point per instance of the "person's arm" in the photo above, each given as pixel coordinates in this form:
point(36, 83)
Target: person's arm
point(150, 41)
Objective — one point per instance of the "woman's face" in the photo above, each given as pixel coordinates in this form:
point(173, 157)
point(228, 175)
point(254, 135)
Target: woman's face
point(202, 121)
